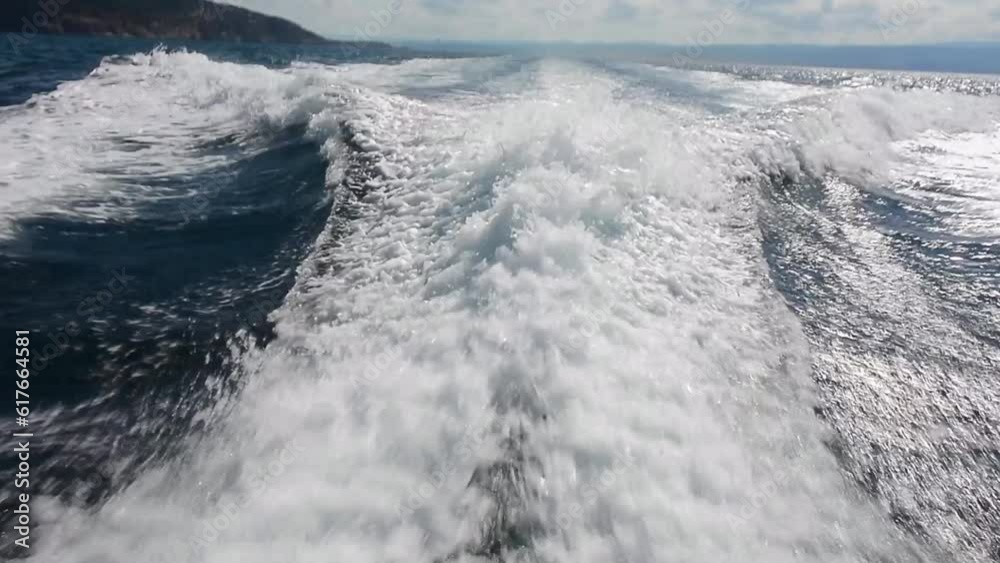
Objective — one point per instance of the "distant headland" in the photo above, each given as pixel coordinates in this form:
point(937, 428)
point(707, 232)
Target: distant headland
point(173, 19)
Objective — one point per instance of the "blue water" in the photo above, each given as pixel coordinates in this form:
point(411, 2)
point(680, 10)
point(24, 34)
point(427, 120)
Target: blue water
point(978, 58)
point(211, 266)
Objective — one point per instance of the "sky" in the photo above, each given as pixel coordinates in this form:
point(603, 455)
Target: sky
point(677, 22)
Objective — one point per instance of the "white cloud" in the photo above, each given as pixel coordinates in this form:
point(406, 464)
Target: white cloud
point(662, 21)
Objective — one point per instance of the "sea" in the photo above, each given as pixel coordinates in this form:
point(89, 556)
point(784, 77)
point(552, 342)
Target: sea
point(371, 304)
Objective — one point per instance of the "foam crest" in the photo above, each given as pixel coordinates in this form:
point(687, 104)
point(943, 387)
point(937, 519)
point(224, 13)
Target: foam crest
point(955, 175)
point(100, 148)
point(853, 133)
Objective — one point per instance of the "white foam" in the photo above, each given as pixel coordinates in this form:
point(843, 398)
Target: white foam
point(957, 175)
point(94, 148)
point(854, 134)
point(740, 94)
point(584, 249)
point(592, 251)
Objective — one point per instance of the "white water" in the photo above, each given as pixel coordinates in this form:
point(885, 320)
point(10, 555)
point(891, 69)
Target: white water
point(964, 168)
point(547, 236)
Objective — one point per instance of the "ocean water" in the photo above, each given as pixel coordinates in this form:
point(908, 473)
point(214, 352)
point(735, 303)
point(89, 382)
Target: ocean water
point(968, 58)
point(312, 305)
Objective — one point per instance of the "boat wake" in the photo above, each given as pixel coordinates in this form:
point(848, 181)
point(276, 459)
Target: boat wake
point(558, 311)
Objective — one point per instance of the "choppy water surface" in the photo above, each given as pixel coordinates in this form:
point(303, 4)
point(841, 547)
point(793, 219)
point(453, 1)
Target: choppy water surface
point(304, 307)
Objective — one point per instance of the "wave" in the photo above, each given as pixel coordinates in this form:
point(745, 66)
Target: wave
point(538, 324)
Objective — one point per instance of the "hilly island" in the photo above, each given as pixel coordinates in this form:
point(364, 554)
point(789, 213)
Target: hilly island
point(180, 19)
